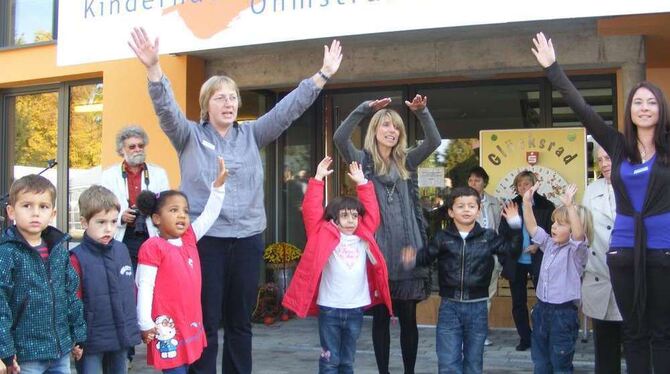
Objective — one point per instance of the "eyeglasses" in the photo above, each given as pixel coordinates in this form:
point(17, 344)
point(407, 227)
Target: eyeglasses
point(133, 147)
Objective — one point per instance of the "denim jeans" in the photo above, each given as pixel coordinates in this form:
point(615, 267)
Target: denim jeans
point(103, 362)
point(339, 330)
point(461, 331)
point(58, 366)
point(555, 330)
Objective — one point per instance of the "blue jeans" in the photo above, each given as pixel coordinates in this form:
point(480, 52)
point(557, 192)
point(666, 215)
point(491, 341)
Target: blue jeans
point(555, 330)
point(338, 331)
point(103, 362)
point(461, 331)
point(57, 366)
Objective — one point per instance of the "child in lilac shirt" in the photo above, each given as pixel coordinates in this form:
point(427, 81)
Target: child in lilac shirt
point(554, 317)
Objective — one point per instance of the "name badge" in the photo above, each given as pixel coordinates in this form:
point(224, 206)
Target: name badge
point(641, 170)
point(209, 145)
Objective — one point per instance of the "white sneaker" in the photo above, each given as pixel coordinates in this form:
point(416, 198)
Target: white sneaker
point(488, 342)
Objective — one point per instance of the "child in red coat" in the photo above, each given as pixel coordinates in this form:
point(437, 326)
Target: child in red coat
point(342, 270)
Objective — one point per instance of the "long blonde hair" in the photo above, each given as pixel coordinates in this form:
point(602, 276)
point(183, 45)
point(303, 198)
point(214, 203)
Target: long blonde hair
point(399, 151)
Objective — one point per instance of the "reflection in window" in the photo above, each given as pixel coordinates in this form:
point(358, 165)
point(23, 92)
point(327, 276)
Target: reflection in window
point(598, 93)
point(460, 112)
point(297, 169)
point(85, 151)
point(30, 21)
point(33, 128)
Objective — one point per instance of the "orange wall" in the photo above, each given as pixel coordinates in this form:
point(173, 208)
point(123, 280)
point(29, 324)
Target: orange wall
point(125, 99)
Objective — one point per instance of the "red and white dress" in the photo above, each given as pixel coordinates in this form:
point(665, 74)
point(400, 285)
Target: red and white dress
point(169, 284)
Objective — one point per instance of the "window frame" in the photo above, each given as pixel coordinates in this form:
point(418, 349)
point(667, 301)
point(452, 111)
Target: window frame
point(7, 22)
point(62, 139)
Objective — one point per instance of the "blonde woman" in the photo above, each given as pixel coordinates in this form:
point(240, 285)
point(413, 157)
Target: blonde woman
point(388, 163)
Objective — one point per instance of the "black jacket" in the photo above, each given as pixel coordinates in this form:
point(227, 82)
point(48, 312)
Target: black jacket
point(465, 265)
point(542, 209)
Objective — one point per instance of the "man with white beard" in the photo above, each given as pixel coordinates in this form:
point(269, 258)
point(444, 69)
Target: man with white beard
point(126, 180)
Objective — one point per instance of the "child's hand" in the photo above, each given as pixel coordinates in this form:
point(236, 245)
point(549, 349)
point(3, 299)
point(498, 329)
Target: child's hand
point(408, 257)
point(510, 210)
point(148, 335)
point(223, 173)
point(15, 368)
point(568, 196)
point(528, 196)
point(322, 169)
point(356, 173)
point(77, 352)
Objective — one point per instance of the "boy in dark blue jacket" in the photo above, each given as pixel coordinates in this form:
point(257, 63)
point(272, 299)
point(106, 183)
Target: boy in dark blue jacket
point(41, 319)
point(107, 286)
point(464, 253)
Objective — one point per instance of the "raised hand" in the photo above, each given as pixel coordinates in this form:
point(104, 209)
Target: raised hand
point(356, 173)
point(569, 195)
point(380, 103)
point(528, 196)
point(510, 210)
point(332, 57)
point(322, 169)
point(145, 50)
point(222, 175)
point(408, 257)
point(544, 50)
point(418, 103)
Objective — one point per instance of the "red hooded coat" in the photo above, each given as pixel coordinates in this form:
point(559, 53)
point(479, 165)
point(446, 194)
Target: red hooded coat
point(322, 239)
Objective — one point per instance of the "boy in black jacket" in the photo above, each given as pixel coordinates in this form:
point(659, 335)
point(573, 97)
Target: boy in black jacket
point(464, 252)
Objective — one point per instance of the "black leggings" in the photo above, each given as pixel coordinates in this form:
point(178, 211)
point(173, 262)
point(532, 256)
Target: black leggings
point(646, 344)
point(405, 310)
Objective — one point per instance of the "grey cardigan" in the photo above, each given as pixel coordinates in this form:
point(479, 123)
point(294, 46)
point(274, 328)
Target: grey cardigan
point(199, 144)
point(392, 223)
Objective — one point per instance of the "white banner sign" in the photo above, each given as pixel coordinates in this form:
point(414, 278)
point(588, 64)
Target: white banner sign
point(431, 177)
point(98, 30)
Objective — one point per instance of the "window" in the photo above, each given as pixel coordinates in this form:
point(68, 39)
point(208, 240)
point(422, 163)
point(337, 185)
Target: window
point(61, 123)
point(28, 21)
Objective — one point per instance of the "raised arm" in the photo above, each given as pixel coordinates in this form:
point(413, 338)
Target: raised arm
point(604, 134)
point(528, 215)
point(270, 126)
point(214, 203)
point(367, 196)
point(576, 227)
point(312, 203)
point(171, 118)
point(432, 140)
point(342, 136)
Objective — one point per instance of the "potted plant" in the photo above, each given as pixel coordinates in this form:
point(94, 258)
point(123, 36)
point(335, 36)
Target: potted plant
point(282, 258)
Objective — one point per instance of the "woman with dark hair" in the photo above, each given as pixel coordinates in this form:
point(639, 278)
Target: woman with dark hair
point(639, 254)
point(388, 163)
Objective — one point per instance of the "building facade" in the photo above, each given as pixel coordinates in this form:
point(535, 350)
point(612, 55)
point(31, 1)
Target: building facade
point(475, 77)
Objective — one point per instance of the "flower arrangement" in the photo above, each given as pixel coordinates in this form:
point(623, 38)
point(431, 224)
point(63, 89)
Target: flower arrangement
point(281, 253)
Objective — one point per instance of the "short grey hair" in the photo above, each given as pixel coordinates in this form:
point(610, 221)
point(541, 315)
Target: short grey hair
point(131, 131)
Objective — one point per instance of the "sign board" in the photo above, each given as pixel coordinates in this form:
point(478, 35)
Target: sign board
point(556, 156)
point(431, 177)
point(98, 30)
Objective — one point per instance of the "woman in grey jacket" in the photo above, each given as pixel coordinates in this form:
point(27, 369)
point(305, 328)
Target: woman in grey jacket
point(231, 251)
point(598, 300)
point(390, 165)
